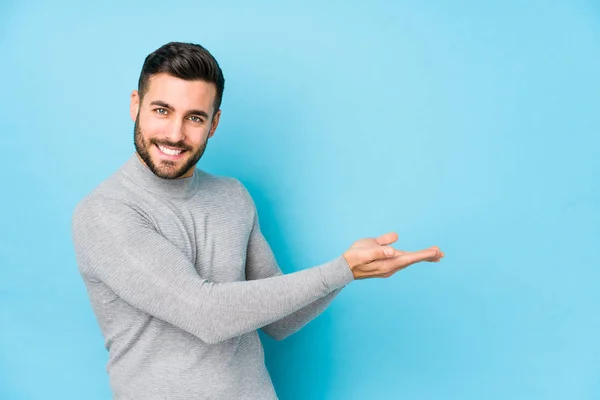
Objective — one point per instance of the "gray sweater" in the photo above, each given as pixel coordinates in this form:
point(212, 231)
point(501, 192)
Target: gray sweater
point(180, 278)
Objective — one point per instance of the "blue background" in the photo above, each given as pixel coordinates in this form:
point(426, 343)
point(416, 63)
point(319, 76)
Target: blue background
point(470, 126)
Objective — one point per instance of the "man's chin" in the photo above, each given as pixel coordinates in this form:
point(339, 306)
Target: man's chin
point(164, 169)
point(168, 172)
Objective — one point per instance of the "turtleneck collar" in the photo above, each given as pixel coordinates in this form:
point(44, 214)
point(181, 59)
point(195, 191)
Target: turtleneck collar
point(182, 188)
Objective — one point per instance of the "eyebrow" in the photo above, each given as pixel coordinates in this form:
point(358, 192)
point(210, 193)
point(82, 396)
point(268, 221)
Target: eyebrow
point(166, 105)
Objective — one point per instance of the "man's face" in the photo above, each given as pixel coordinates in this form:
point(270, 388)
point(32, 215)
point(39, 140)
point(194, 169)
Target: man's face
point(173, 123)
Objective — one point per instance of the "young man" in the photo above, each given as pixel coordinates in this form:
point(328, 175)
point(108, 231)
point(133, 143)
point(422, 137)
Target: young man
point(177, 270)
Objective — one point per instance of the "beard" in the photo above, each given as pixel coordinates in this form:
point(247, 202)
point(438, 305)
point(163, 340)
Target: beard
point(165, 169)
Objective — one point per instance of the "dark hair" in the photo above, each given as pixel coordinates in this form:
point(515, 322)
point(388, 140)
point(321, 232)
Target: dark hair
point(187, 61)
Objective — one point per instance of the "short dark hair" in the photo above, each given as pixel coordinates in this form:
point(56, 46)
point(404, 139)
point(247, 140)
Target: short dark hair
point(187, 61)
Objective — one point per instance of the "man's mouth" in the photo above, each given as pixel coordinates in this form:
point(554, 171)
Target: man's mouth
point(170, 151)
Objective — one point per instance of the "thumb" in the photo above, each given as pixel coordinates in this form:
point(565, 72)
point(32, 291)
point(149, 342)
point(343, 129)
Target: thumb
point(387, 238)
point(383, 252)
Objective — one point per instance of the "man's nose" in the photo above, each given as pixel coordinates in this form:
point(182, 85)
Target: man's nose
point(175, 131)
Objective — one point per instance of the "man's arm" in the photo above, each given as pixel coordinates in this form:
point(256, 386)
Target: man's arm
point(116, 245)
point(261, 264)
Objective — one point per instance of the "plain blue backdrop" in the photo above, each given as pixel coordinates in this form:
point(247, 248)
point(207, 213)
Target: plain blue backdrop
point(474, 126)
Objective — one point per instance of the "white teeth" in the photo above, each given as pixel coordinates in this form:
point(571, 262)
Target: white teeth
point(169, 151)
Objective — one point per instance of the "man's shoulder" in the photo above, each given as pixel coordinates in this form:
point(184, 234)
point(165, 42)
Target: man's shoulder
point(96, 204)
point(115, 192)
point(219, 184)
point(225, 188)
point(101, 193)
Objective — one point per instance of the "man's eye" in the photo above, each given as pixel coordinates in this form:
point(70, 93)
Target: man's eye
point(161, 111)
point(193, 118)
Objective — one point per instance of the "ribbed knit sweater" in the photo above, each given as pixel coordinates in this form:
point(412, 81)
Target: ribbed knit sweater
point(180, 278)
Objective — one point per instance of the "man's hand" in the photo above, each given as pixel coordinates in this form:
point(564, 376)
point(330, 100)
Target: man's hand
point(374, 258)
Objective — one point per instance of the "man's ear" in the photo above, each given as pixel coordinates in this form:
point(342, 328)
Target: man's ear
point(215, 123)
point(134, 105)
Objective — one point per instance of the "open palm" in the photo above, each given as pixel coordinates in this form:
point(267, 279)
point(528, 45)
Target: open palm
point(366, 260)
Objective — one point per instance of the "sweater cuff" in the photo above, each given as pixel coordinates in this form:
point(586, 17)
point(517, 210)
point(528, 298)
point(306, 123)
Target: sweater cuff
point(337, 273)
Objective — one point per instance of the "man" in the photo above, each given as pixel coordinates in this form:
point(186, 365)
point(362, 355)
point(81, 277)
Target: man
point(177, 270)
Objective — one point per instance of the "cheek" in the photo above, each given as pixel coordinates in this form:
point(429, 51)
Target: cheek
point(152, 128)
point(197, 136)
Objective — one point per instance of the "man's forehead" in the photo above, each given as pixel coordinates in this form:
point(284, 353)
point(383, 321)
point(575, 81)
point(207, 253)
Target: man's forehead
point(180, 92)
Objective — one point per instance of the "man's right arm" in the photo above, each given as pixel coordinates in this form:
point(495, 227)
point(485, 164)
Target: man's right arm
point(116, 246)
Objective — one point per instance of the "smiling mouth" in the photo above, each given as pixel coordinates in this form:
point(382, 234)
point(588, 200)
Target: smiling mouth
point(171, 152)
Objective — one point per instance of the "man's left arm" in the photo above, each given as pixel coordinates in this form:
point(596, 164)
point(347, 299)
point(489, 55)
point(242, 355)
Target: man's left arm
point(261, 264)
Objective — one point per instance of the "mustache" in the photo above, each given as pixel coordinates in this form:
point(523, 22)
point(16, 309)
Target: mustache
point(169, 144)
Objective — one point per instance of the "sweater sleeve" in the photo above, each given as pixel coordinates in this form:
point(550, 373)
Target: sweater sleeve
point(261, 264)
point(116, 245)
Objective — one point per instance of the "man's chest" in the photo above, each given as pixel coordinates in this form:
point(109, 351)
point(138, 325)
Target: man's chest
point(213, 236)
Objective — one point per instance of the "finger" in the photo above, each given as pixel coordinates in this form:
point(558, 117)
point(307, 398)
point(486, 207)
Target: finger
point(397, 263)
point(435, 252)
point(438, 252)
point(439, 257)
point(387, 238)
point(421, 255)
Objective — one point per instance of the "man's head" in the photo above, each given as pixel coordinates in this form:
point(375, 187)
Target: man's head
point(176, 108)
